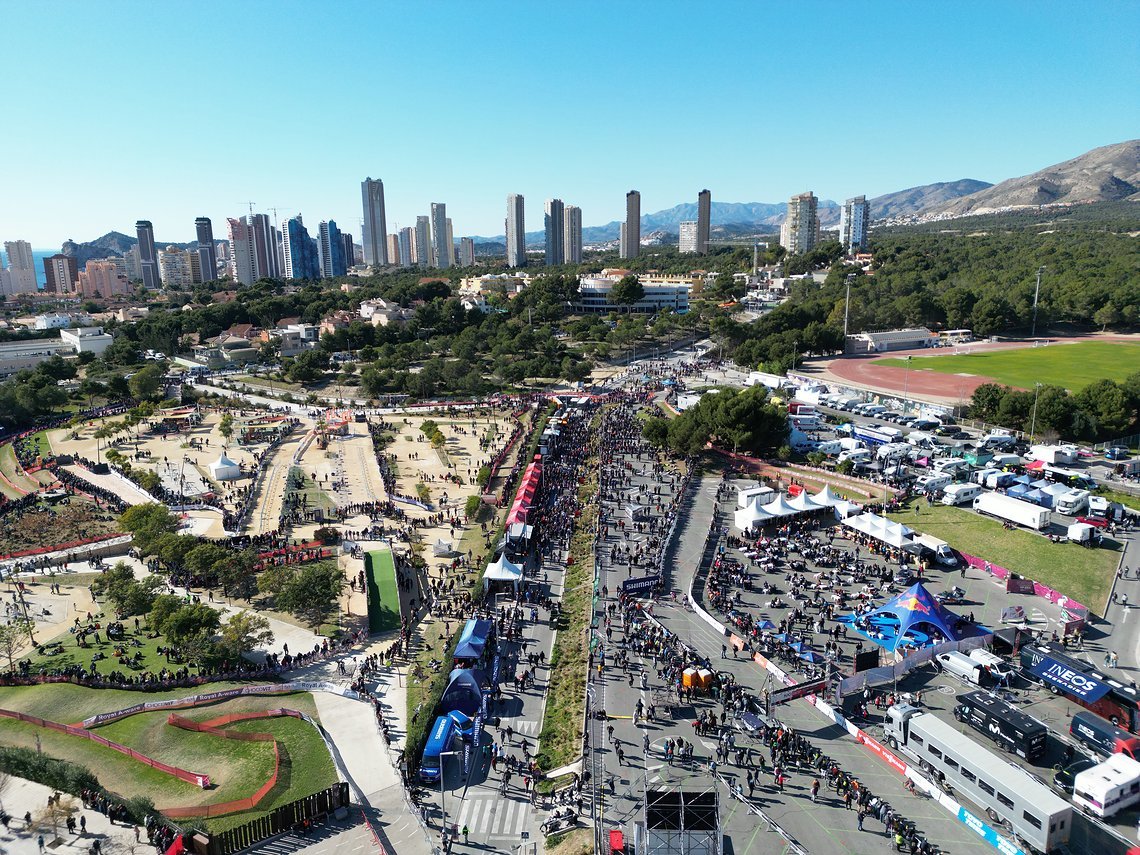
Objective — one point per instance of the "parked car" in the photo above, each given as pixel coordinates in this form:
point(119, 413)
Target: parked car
point(1117, 452)
point(1063, 778)
point(1098, 522)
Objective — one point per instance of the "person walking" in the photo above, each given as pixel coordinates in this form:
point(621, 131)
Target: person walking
point(466, 831)
point(859, 819)
point(814, 788)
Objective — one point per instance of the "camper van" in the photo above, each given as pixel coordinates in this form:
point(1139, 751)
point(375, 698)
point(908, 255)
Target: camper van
point(960, 494)
point(1072, 503)
point(1108, 787)
point(998, 480)
point(857, 455)
point(932, 483)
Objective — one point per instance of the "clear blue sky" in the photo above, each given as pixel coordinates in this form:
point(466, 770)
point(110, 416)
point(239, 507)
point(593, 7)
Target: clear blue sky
point(118, 111)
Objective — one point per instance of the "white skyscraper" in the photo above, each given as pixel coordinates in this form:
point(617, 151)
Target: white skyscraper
point(572, 234)
point(450, 244)
point(800, 230)
point(375, 224)
point(441, 244)
point(516, 231)
point(689, 240)
point(21, 267)
point(466, 252)
point(854, 220)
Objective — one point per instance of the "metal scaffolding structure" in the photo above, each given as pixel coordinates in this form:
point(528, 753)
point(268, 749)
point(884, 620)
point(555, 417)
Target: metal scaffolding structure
point(681, 821)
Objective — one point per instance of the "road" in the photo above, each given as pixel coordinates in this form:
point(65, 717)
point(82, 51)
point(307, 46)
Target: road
point(819, 826)
point(271, 487)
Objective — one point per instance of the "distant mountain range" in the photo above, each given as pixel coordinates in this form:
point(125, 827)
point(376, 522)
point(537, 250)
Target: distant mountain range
point(1107, 174)
point(743, 218)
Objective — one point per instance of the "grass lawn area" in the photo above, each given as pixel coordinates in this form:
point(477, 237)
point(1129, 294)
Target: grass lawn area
point(42, 443)
point(383, 596)
point(73, 654)
point(235, 768)
point(314, 495)
point(561, 734)
point(1084, 574)
point(1071, 366)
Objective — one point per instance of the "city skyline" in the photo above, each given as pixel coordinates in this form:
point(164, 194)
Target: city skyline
point(968, 67)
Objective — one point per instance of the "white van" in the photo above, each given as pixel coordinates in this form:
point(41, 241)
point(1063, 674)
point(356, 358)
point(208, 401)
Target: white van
point(857, 455)
point(921, 439)
point(961, 666)
point(933, 482)
point(960, 494)
point(981, 475)
point(997, 666)
point(1003, 460)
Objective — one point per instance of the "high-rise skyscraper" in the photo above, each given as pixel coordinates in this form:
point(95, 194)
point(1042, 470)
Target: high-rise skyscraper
point(241, 252)
point(331, 249)
point(61, 273)
point(572, 234)
point(302, 261)
point(441, 248)
point(800, 230)
point(631, 237)
point(350, 250)
point(406, 238)
point(207, 253)
point(148, 258)
point(854, 220)
point(704, 221)
point(554, 222)
point(450, 244)
point(21, 267)
point(516, 231)
point(687, 236)
point(375, 223)
point(466, 252)
point(423, 242)
point(394, 249)
point(253, 249)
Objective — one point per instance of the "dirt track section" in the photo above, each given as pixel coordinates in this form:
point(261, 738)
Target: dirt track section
point(270, 495)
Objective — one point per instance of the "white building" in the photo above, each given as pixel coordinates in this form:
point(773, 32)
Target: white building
point(854, 220)
point(661, 292)
point(516, 231)
point(176, 267)
point(86, 339)
point(688, 237)
point(51, 321)
point(572, 237)
point(21, 268)
point(800, 231)
point(19, 355)
point(881, 342)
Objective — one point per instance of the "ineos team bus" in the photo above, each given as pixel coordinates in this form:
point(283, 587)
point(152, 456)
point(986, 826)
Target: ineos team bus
point(1050, 665)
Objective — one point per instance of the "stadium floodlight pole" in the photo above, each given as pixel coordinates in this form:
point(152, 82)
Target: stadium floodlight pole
point(1036, 294)
point(1033, 421)
point(906, 383)
point(847, 306)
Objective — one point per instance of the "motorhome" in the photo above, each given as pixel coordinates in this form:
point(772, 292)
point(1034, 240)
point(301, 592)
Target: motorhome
point(960, 494)
point(1073, 503)
point(933, 482)
point(1108, 787)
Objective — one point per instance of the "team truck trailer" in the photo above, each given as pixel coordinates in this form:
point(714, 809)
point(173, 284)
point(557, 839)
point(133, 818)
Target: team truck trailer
point(1013, 510)
point(1038, 818)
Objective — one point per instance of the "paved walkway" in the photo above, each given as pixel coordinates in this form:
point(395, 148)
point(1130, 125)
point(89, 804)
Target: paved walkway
point(21, 796)
point(121, 487)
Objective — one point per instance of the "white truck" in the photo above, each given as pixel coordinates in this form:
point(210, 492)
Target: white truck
point(939, 549)
point(1063, 454)
point(1013, 510)
point(1072, 503)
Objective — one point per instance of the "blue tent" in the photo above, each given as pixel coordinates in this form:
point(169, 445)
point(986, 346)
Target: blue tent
point(1039, 498)
point(767, 624)
point(464, 692)
point(1017, 490)
point(474, 639)
point(1023, 479)
point(915, 609)
point(1040, 482)
point(808, 656)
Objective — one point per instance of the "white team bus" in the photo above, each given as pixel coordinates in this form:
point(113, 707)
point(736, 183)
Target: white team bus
point(1038, 819)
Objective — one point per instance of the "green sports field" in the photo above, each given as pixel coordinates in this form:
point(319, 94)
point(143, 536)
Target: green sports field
point(1071, 366)
point(383, 595)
